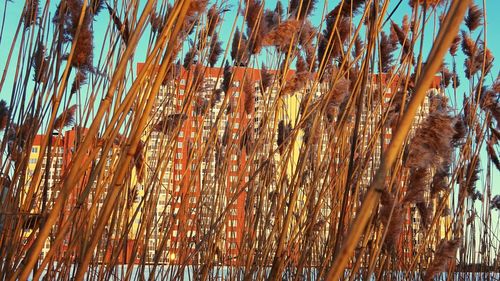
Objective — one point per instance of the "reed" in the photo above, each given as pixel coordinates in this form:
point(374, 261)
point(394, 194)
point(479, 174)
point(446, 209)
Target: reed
point(312, 141)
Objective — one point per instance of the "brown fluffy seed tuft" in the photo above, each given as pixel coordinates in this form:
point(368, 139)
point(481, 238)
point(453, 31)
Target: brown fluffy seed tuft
point(474, 18)
point(282, 35)
point(67, 118)
point(445, 253)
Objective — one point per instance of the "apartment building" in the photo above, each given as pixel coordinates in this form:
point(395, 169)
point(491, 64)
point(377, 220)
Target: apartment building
point(197, 168)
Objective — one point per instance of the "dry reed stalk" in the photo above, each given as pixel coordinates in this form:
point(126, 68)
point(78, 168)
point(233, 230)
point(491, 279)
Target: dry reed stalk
point(293, 221)
point(44, 232)
point(450, 26)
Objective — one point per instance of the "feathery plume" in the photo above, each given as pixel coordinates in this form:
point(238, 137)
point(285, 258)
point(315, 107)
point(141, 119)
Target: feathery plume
point(139, 161)
point(213, 19)
point(225, 135)
point(460, 131)
point(398, 33)
point(339, 91)
point(281, 35)
point(4, 115)
point(439, 182)
point(238, 49)
point(40, 63)
point(395, 226)
point(472, 176)
point(424, 212)
point(30, 13)
point(296, 82)
point(80, 79)
point(226, 78)
point(284, 132)
point(454, 45)
point(67, 118)
point(200, 105)
point(279, 9)
point(496, 85)
point(132, 195)
point(438, 103)
point(157, 22)
point(432, 141)
point(495, 202)
point(256, 27)
point(346, 8)
point(475, 64)
point(426, 3)
point(271, 19)
point(469, 47)
point(122, 27)
point(197, 6)
point(492, 154)
point(266, 78)
point(216, 97)
point(83, 57)
point(249, 90)
point(311, 58)
point(446, 76)
point(253, 13)
point(170, 122)
point(190, 58)
point(474, 17)
point(302, 8)
point(307, 34)
point(215, 51)
point(247, 139)
point(417, 186)
point(358, 47)
point(96, 6)
point(445, 253)
point(301, 64)
point(387, 49)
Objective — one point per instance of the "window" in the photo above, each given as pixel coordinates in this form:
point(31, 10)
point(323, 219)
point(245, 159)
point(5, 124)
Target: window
point(178, 155)
point(179, 144)
point(34, 149)
point(183, 82)
point(236, 83)
point(181, 134)
point(178, 166)
point(33, 160)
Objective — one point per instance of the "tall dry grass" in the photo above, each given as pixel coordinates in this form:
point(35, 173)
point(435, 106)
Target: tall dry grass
point(353, 168)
